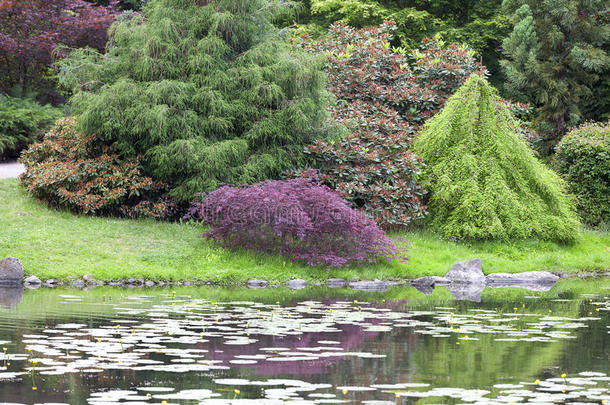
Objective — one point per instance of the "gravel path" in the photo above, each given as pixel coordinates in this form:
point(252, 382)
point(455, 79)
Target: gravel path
point(10, 170)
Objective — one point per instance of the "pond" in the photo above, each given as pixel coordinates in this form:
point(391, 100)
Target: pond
point(313, 346)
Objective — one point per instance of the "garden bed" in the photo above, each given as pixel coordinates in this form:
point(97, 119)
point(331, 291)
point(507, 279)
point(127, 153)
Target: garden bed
point(60, 245)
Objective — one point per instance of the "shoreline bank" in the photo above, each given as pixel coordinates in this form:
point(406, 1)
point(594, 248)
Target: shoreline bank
point(54, 244)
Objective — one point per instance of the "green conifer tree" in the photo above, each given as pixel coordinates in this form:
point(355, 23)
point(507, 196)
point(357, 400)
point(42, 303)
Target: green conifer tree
point(556, 53)
point(207, 92)
point(483, 179)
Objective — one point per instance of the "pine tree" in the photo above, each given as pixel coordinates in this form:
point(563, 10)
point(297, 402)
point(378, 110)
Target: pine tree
point(556, 54)
point(483, 179)
point(207, 92)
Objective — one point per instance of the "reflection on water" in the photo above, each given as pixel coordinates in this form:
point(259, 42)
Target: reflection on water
point(10, 297)
point(207, 345)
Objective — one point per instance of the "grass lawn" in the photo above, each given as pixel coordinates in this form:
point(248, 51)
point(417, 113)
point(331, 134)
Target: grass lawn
point(61, 245)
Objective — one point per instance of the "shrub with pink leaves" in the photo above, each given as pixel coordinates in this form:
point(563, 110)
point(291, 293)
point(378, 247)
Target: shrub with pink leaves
point(299, 219)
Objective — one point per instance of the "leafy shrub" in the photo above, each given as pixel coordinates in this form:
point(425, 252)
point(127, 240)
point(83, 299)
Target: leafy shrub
point(295, 218)
point(72, 170)
point(483, 178)
point(583, 157)
point(206, 92)
point(22, 121)
point(383, 96)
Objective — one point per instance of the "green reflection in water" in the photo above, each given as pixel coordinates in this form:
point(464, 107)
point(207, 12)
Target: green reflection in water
point(410, 355)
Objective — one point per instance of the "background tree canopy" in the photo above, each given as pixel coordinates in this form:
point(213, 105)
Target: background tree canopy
point(206, 94)
point(477, 23)
point(556, 55)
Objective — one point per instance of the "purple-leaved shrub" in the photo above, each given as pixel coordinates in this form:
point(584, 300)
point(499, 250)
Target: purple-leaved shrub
point(299, 219)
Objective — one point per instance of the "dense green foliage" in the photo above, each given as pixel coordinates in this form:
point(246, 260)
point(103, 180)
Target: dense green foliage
point(583, 157)
point(483, 179)
point(383, 96)
point(477, 23)
point(71, 170)
point(556, 55)
point(21, 122)
point(206, 92)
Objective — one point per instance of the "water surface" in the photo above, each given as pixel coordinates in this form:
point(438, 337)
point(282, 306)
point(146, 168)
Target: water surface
point(221, 346)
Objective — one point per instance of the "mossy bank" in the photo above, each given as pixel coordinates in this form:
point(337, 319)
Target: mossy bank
point(60, 245)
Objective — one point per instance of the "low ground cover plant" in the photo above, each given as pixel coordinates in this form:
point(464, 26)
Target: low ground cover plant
point(77, 172)
point(483, 178)
point(383, 96)
point(298, 219)
point(22, 121)
point(583, 157)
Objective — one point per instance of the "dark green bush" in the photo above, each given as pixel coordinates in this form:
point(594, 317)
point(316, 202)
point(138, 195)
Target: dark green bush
point(21, 122)
point(583, 157)
point(205, 92)
point(484, 180)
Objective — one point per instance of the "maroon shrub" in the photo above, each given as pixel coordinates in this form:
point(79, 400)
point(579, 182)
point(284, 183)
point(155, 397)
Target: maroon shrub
point(30, 31)
point(296, 218)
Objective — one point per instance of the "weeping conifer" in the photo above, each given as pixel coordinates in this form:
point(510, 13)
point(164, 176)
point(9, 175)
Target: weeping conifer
point(484, 180)
point(208, 92)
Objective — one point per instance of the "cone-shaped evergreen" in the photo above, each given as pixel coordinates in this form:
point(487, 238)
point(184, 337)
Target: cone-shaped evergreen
point(206, 91)
point(484, 180)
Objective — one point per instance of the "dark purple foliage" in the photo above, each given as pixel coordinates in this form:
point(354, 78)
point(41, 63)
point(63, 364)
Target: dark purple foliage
point(297, 219)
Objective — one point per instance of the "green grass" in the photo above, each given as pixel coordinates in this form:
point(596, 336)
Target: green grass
point(61, 245)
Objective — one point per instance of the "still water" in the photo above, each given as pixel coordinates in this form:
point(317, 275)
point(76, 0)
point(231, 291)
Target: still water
point(313, 346)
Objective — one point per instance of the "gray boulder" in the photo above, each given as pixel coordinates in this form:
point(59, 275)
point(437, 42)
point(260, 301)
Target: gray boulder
point(424, 285)
point(440, 280)
point(375, 285)
point(466, 272)
point(11, 271)
point(423, 281)
point(296, 284)
point(149, 283)
point(254, 283)
point(32, 281)
point(524, 280)
point(50, 283)
point(336, 283)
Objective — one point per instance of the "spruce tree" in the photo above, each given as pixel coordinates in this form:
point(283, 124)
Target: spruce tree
point(484, 180)
point(206, 92)
point(556, 54)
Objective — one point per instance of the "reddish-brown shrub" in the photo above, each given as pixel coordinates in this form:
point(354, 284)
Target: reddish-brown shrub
point(70, 170)
point(383, 96)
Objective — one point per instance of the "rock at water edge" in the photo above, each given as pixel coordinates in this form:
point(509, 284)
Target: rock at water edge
point(11, 271)
point(466, 272)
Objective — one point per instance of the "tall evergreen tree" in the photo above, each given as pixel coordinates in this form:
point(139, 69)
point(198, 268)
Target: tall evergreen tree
point(207, 92)
point(483, 179)
point(556, 53)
